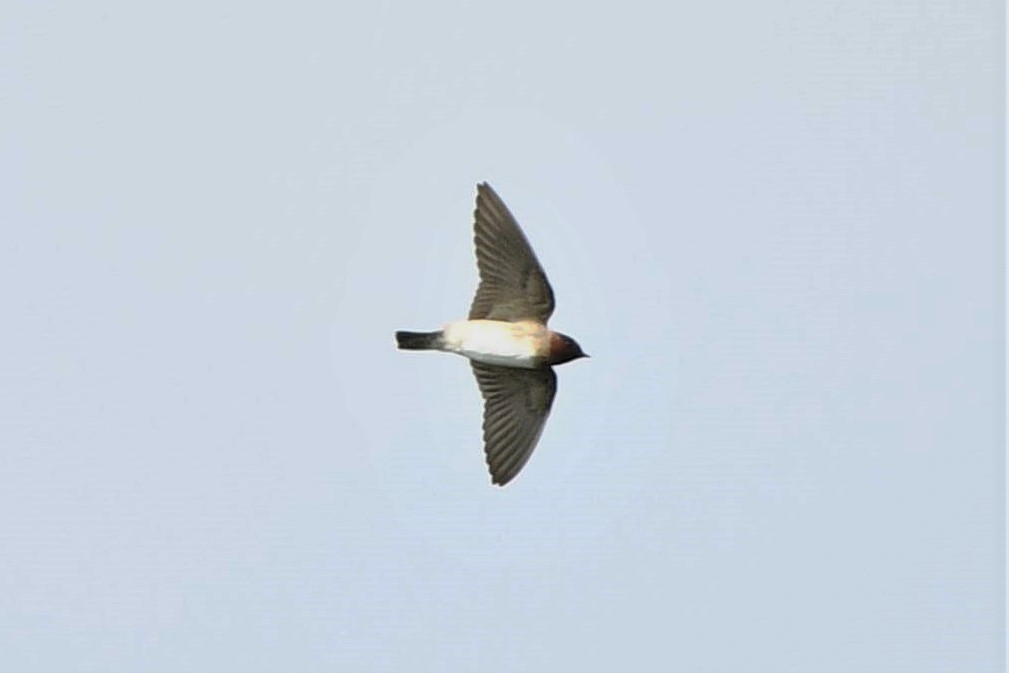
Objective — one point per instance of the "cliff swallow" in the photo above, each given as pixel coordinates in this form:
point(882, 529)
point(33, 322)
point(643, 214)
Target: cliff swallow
point(506, 338)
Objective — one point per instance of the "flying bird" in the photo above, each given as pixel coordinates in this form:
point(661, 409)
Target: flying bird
point(506, 338)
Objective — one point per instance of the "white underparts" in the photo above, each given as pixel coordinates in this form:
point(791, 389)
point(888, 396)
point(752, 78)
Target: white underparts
point(509, 344)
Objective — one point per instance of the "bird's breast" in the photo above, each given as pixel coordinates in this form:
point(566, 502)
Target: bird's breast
point(524, 344)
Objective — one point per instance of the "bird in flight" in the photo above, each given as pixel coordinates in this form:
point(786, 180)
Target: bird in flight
point(506, 338)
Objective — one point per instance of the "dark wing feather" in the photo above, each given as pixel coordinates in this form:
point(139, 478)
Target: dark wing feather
point(516, 405)
point(512, 283)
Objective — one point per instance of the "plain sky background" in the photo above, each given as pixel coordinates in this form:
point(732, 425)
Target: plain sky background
point(776, 226)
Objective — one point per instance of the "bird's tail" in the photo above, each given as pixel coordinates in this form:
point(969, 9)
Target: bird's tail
point(418, 341)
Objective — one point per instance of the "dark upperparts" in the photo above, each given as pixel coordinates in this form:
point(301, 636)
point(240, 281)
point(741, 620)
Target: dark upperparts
point(564, 349)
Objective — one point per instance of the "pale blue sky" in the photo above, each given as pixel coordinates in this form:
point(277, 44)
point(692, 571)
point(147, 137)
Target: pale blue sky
point(777, 228)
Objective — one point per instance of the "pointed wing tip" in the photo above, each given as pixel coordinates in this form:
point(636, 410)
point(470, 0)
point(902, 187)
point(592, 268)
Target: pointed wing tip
point(484, 189)
point(499, 477)
point(483, 194)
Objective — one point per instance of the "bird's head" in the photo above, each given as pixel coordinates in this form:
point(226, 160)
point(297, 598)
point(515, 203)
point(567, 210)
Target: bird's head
point(564, 349)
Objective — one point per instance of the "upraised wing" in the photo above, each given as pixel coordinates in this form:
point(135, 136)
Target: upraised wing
point(513, 285)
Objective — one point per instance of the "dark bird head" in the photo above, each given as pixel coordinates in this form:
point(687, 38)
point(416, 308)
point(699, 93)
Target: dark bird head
point(564, 349)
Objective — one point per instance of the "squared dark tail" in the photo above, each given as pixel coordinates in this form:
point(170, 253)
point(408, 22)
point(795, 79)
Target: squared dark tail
point(418, 341)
